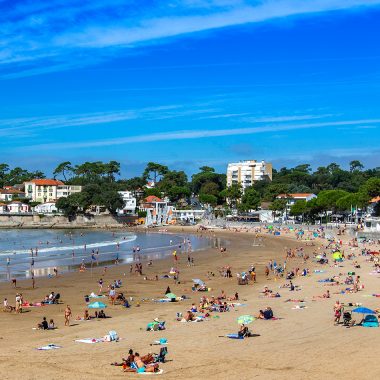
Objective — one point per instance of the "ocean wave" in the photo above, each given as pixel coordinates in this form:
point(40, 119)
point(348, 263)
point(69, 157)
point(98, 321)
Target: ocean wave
point(90, 246)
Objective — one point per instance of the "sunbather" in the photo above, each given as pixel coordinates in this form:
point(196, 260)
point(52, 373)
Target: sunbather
point(139, 366)
point(266, 314)
point(43, 325)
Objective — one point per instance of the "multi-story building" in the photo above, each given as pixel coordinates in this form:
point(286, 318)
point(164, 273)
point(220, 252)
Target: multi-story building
point(130, 203)
point(248, 172)
point(48, 190)
point(64, 191)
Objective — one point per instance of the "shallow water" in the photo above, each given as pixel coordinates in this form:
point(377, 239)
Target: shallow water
point(39, 251)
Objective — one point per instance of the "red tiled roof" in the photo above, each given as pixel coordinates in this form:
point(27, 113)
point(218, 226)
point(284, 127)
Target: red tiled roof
point(152, 199)
point(47, 182)
point(295, 195)
point(10, 191)
point(375, 200)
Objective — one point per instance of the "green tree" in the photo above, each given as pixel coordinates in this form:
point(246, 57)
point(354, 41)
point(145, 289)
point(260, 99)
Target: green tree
point(327, 199)
point(371, 188)
point(208, 199)
point(173, 179)
point(278, 205)
point(356, 165)
point(175, 193)
point(63, 168)
point(112, 200)
point(154, 191)
point(250, 200)
point(232, 194)
point(299, 208)
point(210, 188)
point(154, 171)
point(207, 175)
point(112, 169)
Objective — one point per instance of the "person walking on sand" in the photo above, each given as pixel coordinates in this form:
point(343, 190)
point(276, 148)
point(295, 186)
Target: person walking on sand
point(100, 285)
point(67, 315)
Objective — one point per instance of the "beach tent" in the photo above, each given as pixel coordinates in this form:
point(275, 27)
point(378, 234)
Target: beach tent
point(198, 281)
point(97, 305)
point(370, 321)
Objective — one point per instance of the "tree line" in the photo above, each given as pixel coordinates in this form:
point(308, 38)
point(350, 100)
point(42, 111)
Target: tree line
point(337, 188)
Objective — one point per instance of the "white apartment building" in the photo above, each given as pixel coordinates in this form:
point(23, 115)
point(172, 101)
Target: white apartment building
point(130, 203)
point(64, 191)
point(248, 172)
point(48, 190)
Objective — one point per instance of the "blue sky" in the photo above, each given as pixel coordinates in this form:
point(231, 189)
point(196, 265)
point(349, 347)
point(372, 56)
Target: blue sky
point(189, 82)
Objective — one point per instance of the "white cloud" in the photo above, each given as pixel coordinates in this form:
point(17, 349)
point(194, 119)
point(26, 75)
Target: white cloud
point(197, 134)
point(56, 33)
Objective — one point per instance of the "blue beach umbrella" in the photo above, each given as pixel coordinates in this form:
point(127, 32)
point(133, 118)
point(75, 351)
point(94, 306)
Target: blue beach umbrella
point(363, 310)
point(97, 305)
point(198, 281)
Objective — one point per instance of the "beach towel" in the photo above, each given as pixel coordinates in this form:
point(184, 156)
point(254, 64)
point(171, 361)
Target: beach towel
point(90, 340)
point(162, 341)
point(159, 372)
point(50, 346)
point(234, 336)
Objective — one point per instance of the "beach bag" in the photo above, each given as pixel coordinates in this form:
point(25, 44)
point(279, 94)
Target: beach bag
point(113, 336)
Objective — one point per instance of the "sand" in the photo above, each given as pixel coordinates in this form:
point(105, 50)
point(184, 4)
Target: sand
point(302, 344)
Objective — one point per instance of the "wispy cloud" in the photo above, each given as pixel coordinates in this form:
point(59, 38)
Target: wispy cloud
point(197, 134)
point(23, 126)
point(42, 36)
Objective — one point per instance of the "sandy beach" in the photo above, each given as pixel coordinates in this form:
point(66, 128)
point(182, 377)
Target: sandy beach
point(302, 343)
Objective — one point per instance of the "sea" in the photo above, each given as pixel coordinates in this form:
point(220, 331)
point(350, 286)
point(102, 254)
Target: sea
point(24, 253)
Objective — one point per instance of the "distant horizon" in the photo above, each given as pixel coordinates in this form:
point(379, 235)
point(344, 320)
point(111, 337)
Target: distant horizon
point(188, 83)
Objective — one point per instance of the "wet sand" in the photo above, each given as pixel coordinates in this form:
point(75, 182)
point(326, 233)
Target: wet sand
point(302, 344)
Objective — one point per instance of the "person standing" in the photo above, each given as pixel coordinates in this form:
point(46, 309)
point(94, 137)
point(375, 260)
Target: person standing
point(67, 315)
point(100, 285)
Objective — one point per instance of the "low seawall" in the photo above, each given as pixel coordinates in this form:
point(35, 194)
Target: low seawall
point(60, 221)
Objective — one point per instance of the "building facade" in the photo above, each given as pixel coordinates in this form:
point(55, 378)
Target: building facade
point(247, 173)
point(130, 203)
point(46, 208)
point(48, 190)
point(8, 193)
point(64, 191)
point(291, 199)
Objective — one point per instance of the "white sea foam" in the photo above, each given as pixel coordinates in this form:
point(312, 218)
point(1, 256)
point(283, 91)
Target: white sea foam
point(66, 248)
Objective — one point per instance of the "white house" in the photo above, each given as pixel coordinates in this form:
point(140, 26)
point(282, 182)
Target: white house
point(46, 208)
point(158, 211)
point(17, 207)
point(8, 193)
point(188, 215)
point(3, 208)
point(130, 203)
point(293, 198)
